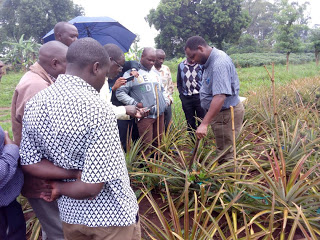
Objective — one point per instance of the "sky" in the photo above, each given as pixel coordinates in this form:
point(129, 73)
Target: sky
point(131, 14)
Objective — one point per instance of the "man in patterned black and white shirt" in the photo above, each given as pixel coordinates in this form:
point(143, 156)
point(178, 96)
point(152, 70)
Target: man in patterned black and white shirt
point(70, 125)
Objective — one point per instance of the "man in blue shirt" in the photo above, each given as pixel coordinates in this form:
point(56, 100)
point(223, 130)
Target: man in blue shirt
point(219, 91)
point(12, 223)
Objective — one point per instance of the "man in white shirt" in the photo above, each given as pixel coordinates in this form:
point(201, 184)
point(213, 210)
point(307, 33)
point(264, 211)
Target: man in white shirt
point(165, 74)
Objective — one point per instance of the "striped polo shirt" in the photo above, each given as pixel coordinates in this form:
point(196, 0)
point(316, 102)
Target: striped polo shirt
point(219, 77)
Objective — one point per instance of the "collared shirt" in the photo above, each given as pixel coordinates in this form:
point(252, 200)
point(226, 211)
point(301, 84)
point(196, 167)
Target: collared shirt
point(53, 79)
point(166, 78)
point(189, 78)
point(70, 125)
point(29, 85)
point(11, 177)
point(219, 77)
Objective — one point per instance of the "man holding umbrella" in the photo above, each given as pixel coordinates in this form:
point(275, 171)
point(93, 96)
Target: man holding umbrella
point(66, 33)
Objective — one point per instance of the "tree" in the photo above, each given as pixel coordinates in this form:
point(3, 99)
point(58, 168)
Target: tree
point(291, 25)
point(22, 53)
point(315, 40)
point(34, 18)
point(262, 18)
point(135, 51)
point(247, 44)
point(217, 21)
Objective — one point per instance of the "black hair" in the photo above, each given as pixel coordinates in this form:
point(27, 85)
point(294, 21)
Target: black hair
point(148, 50)
point(59, 27)
point(114, 51)
point(86, 51)
point(160, 51)
point(193, 43)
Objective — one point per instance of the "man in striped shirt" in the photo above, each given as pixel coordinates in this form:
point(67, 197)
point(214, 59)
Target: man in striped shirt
point(219, 91)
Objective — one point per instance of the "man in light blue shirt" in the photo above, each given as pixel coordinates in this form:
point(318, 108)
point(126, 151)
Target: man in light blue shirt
point(219, 91)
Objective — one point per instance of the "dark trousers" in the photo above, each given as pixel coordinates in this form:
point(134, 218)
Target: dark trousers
point(127, 128)
point(192, 108)
point(167, 117)
point(12, 223)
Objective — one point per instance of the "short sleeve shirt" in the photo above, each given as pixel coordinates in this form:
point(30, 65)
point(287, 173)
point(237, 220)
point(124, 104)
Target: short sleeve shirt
point(70, 125)
point(219, 77)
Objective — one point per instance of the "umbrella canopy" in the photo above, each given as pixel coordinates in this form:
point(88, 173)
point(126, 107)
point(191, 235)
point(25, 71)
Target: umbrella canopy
point(103, 29)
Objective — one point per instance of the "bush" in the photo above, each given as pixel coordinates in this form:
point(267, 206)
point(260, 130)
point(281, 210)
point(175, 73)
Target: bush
point(260, 59)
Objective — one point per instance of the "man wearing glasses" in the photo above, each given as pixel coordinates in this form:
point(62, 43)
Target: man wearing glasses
point(117, 61)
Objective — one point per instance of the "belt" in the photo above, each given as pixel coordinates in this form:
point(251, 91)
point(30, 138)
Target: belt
point(229, 108)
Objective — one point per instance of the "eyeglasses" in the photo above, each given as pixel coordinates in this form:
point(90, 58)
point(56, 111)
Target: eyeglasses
point(120, 67)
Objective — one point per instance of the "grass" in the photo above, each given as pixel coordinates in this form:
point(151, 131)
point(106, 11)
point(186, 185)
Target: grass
point(256, 77)
point(251, 80)
point(260, 59)
point(7, 86)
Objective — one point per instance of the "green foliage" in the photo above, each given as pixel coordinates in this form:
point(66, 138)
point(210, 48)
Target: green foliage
point(135, 51)
point(254, 78)
point(260, 59)
point(247, 44)
point(315, 41)
point(34, 18)
point(216, 21)
point(258, 196)
point(290, 25)
point(22, 53)
point(262, 18)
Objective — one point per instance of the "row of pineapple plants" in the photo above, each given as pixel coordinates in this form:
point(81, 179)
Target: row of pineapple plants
point(269, 191)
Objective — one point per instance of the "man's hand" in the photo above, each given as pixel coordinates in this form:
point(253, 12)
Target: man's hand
point(119, 82)
point(134, 73)
point(52, 193)
point(131, 110)
point(201, 131)
point(142, 112)
point(7, 139)
point(52, 190)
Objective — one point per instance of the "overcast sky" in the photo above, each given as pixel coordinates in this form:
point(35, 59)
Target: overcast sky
point(131, 14)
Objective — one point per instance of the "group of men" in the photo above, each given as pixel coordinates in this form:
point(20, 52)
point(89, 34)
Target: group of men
point(72, 111)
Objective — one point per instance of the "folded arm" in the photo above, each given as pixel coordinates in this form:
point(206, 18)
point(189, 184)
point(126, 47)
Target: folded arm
point(47, 170)
point(76, 190)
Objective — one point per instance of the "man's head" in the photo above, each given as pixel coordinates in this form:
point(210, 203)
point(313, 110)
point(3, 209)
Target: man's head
point(1, 70)
point(197, 49)
point(117, 59)
point(52, 58)
point(65, 32)
point(148, 57)
point(88, 60)
point(160, 57)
